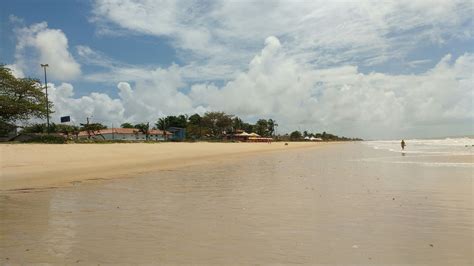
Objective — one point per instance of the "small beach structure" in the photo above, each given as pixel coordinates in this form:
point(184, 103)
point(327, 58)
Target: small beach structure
point(128, 134)
point(307, 138)
point(248, 137)
point(243, 136)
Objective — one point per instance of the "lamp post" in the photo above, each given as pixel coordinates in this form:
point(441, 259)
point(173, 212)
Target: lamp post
point(44, 66)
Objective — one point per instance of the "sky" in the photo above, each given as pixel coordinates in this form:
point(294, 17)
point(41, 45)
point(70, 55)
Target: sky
point(370, 69)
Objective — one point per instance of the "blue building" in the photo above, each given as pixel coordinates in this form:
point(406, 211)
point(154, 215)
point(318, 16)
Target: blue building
point(178, 133)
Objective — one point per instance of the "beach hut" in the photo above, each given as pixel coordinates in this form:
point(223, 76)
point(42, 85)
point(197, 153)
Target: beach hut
point(244, 136)
point(250, 137)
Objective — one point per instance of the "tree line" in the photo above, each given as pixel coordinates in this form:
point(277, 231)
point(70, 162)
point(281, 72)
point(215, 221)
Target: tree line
point(298, 136)
point(23, 98)
point(211, 125)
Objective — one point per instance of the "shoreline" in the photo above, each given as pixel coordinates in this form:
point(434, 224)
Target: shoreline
point(38, 166)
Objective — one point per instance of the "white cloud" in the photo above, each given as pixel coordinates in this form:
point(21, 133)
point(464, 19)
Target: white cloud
point(344, 100)
point(149, 99)
point(16, 71)
point(324, 32)
point(298, 96)
point(37, 44)
point(98, 106)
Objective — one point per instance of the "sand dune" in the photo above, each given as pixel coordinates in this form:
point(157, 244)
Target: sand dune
point(26, 166)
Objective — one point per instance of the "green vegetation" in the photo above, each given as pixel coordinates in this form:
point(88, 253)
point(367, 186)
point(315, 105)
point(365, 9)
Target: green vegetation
point(298, 136)
point(212, 126)
point(126, 125)
point(54, 128)
point(295, 135)
point(50, 139)
point(215, 125)
point(20, 99)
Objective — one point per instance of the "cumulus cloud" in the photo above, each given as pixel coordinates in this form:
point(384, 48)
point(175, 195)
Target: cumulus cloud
point(97, 106)
point(37, 44)
point(157, 95)
point(299, 96)
point(16, 71)
point(344, 100)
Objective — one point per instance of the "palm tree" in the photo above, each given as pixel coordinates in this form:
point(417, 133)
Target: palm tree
point(271, 126)
point(161, 124)
point(237, 123)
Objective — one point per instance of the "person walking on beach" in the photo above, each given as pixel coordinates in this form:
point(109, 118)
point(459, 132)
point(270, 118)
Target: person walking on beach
point(403, 144)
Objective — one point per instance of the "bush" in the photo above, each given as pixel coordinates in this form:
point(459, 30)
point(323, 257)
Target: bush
point(50, 139)
point(108, 141)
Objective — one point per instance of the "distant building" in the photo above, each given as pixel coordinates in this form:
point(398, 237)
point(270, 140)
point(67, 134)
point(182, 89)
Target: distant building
point(177, 133)
point(128, 134)
point(312, 138)
point(156, 134)
point(241, 136)
point(247, 137)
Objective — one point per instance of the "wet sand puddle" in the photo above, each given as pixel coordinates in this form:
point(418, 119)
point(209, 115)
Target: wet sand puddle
point(319, 205)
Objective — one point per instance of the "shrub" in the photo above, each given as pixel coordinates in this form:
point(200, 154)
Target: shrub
point(50, 139)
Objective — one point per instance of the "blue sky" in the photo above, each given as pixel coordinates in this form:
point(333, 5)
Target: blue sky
point(359, 68)
point(72, 17)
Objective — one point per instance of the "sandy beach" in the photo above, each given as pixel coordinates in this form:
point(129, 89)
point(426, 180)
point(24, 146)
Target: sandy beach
point(26, 166)
point(321, 204)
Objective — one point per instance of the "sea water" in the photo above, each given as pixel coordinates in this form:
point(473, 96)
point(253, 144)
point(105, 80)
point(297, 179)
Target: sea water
point(445, 152)
point(445, 146)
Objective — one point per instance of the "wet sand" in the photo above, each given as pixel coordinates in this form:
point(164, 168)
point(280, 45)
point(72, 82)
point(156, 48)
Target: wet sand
point(325, 205)
point(27, 166)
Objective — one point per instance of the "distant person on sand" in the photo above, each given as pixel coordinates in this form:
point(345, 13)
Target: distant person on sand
point(403, 144)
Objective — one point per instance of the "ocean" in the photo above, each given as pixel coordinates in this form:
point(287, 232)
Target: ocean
point(445, 146)
point(455, 152)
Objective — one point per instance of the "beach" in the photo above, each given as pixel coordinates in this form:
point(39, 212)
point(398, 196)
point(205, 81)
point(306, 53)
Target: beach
point(26, 166)
point(341, 204)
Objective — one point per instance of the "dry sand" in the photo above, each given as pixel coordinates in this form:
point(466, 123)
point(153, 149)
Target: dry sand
point(26, 166)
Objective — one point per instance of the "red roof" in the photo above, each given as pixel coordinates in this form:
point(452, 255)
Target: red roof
point(158, 132)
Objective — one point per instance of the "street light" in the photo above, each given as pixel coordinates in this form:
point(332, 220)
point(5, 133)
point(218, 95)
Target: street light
point(44, 66)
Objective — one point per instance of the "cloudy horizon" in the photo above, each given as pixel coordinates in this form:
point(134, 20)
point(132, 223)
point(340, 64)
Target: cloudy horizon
point(370, 69)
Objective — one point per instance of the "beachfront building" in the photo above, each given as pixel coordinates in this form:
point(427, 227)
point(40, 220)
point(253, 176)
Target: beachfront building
point(248, 137)
point(177, 133)
point(156, 134)
point(126, 134)
point(241, 136)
